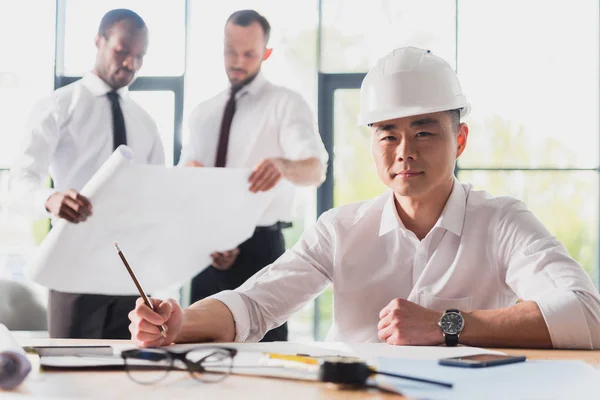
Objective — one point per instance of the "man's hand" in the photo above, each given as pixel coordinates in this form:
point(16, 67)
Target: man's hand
point(69, 205)
point(193, 164)
point(224, 260)
point(405, 323)
point(144, 322)
point(266, 174)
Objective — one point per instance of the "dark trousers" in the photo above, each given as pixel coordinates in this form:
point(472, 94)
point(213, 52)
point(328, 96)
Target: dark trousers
point(89, 316)
point(262, 249)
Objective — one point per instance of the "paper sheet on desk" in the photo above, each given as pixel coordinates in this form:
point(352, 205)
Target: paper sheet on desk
point(252, 359)
point(362, 350)
point(14, 365)
point(533, 379)
point(251, 356)
point(372, 351)
point(167, 221)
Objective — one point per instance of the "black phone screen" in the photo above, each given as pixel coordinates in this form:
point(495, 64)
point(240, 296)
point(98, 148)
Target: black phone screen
point(481, 360)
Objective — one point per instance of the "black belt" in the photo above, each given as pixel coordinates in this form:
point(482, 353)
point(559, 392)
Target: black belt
point(277, 226)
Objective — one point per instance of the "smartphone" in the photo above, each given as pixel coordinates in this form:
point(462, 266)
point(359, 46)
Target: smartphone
point(481, 360)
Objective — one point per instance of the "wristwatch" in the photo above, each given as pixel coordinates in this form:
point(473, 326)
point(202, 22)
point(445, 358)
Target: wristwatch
point(452, 324)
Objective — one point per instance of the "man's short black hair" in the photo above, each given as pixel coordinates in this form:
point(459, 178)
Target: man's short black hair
point(455, 114)
point(119, 14)
point(247, 18)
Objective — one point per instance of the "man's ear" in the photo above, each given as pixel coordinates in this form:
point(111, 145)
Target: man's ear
point(461, 138)
point(268, 53)
point(97, 41)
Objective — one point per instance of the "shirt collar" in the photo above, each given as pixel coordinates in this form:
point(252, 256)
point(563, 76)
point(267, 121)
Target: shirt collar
point(253, 87)
point(390, 220)
point(98, 87)
point(452, 217)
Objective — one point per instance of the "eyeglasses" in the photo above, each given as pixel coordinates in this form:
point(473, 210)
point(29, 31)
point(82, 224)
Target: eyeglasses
point(205, 364)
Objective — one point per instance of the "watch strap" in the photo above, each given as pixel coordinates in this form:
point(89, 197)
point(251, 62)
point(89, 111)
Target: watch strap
point(451, 340)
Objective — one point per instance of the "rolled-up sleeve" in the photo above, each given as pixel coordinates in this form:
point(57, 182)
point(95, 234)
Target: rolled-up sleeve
point(563, 315)
point(538, 268)
point(240, 311)
point(272, 295)
point(299, 136)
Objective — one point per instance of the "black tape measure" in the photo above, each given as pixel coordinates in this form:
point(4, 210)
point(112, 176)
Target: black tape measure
point(344, 371)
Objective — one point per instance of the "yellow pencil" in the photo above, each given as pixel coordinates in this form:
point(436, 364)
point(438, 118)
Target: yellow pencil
point(293, 357)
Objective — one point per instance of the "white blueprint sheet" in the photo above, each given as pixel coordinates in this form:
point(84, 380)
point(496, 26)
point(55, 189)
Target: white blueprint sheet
point(167, 222)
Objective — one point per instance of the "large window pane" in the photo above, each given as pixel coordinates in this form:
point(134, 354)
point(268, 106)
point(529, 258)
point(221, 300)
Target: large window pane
point(356, 33)
point(166, 26)
point(26, 76)
point(16, 236)
point(161, 106)
point(566, 202)
point(19, 239)
point(530, 71)
point(355, 175)
point(25, 67)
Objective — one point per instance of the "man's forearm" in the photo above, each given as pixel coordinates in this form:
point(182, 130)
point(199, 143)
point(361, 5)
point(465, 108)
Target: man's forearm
point(521, 325)
point(207, 320)
point(304, 172)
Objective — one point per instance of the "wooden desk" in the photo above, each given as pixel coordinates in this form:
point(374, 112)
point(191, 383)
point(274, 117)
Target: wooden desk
point(590, 357)
point(178, 385)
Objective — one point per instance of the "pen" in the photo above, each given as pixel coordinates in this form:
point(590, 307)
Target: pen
point(139, 287)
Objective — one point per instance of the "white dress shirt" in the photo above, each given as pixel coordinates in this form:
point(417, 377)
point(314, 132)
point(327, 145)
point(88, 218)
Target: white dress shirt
point(484, 252)
point(269, 121)
point(70, 135)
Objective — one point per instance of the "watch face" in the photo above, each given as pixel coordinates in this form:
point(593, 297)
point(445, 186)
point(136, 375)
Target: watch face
point(452, 323)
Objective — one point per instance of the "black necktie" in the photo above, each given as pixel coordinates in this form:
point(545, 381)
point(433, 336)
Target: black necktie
point(119, 134)
point(225, 128)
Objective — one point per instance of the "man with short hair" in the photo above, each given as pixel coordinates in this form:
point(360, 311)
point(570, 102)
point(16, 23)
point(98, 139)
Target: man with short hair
point(431, 261)
point(254, 124)
point(71, 134)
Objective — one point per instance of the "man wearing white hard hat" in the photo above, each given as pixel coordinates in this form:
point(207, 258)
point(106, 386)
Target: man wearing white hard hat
point(430, 261)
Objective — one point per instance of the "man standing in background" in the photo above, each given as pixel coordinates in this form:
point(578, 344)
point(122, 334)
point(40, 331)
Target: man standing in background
point(70, 135)
point(254, 124)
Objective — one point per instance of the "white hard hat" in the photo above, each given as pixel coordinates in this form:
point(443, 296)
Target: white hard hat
point(409, 81)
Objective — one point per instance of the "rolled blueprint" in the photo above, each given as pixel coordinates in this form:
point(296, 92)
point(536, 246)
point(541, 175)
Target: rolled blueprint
point(167, 221)
point(14, 365)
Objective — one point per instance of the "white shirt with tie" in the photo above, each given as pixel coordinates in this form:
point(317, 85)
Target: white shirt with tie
point(70, 135)
point(269, 121)
point(484, 252)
